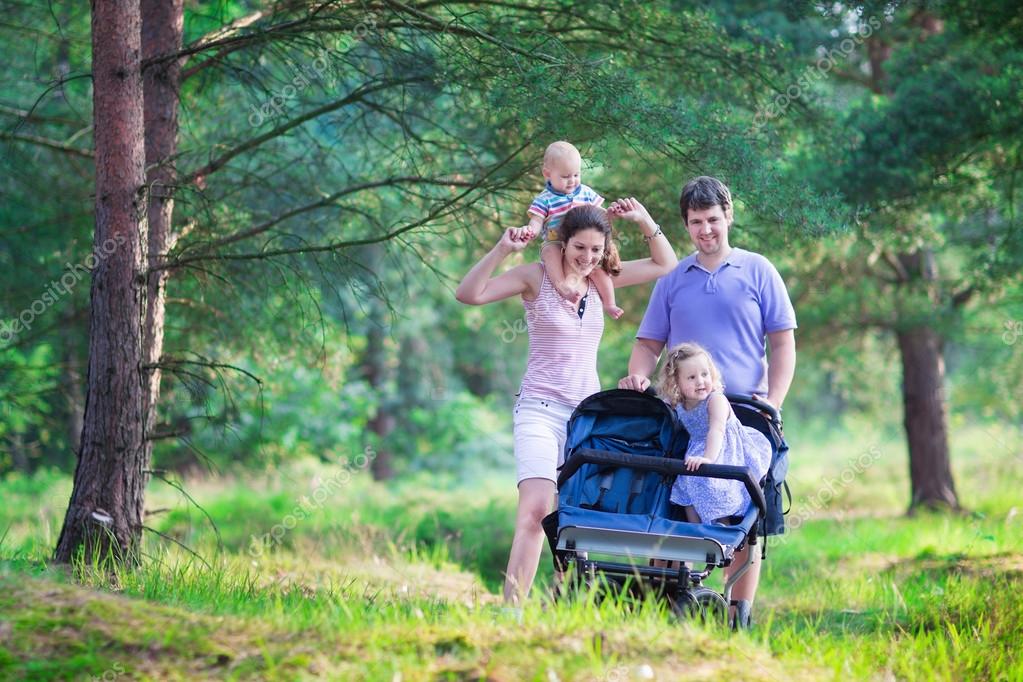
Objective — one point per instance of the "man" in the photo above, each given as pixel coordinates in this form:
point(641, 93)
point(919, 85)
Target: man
point(729, 301)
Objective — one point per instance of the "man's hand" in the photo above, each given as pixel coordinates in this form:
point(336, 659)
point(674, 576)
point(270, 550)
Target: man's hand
point(634, 382)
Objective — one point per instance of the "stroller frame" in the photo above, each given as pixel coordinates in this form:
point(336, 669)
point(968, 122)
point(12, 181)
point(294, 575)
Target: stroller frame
point(589, 521)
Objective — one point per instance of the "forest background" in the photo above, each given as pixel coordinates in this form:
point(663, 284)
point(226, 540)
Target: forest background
point(335, 167)
point(238, 398)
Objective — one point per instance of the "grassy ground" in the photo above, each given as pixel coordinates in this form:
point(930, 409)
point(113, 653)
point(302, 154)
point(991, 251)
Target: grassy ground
point(322, 574)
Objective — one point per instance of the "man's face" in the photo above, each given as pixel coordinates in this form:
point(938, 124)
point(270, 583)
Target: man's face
point(708, 228)
point(564, 174)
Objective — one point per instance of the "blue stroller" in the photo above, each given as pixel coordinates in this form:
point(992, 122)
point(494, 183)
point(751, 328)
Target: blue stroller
point(623, 452)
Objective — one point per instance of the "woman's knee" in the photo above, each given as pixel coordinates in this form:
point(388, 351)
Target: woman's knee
point(531, 514)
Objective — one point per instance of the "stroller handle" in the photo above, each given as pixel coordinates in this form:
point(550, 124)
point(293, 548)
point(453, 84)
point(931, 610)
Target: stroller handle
point(742, 399)
point(665, 466)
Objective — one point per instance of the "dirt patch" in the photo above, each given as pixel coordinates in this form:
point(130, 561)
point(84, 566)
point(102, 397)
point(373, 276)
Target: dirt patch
point(53, 622)
point(1006, 565)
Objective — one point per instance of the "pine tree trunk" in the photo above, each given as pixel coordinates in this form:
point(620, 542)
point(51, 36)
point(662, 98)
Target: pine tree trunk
point(923, 397)
point(19, 457)
point(162, 23)
point(104, 515)
point(71, 381)
point(382, 423)
point(923, 392)
point(376, 370)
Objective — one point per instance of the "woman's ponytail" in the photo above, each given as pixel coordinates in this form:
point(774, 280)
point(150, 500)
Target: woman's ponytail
point(612, 263)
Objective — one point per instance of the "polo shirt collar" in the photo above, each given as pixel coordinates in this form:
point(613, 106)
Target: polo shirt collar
point(710, 286)
point(735, 259)
point(572, 194)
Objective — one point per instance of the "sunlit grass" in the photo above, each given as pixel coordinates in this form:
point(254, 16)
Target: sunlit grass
point(372, 581)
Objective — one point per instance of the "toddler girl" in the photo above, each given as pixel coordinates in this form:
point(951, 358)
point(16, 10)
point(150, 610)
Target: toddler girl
point(692, 385)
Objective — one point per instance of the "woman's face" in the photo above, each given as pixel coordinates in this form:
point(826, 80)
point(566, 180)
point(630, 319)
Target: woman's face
point(583, 251)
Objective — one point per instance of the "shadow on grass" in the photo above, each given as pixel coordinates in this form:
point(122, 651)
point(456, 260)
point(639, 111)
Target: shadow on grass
point(933, 566)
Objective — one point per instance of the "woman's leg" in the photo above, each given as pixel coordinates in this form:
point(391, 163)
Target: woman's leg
point(535, 498)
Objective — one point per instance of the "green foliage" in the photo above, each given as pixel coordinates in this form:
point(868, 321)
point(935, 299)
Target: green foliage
point(429, 120)
point(25, 413)
point(449, 146)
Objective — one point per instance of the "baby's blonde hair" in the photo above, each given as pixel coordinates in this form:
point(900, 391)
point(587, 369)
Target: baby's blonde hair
point(667, 384)
point(556, 151)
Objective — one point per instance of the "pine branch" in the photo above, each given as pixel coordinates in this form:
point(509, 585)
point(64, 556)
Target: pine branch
point(444, 208)
point(354, 96)
point(55, 145)
point(330, 199)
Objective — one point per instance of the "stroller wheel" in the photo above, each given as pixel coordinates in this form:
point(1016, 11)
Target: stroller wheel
point(743, 615)
point(703, 604)
point(578, 577)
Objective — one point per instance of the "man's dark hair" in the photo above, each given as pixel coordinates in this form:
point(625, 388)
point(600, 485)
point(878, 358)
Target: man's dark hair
point(702, 193)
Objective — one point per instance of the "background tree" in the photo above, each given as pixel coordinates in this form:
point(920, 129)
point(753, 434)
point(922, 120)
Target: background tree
point(915, 107)
point(105, 512)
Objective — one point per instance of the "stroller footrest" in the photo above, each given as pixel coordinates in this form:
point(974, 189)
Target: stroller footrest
point(644, 545)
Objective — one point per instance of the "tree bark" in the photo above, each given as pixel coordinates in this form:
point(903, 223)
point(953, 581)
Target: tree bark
point(19, 457)
point(71, 381)
point(104, 515)
point(162, 25)
point(923, 398)
point(375, 368)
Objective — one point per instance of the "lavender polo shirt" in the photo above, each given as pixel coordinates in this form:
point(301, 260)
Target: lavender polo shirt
point(729, 312)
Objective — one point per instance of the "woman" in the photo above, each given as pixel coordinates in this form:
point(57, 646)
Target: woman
point(561, 368)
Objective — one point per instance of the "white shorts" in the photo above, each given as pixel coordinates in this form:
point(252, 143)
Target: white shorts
point(541, 427)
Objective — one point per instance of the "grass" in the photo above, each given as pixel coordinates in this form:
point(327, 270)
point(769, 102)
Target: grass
point(400, 582)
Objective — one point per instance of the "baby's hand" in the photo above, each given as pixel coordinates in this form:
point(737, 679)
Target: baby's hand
point(510, 243)
point(521, 234)
point(693, 463)
point(568, 292)
point(630, 209)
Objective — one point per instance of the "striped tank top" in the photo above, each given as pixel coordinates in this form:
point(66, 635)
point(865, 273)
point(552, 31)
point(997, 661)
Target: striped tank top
point(562, 361)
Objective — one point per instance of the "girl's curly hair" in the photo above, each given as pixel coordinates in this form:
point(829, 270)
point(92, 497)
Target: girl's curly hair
point(667, 384)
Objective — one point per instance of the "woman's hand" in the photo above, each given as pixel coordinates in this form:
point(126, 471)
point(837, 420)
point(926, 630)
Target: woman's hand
point(515, 239)
point(480, 287)
point(630, 209)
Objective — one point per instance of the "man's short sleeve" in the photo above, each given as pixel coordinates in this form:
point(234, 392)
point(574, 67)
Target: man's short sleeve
point(657, 319)
point(539, 206)
point(775, 304)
